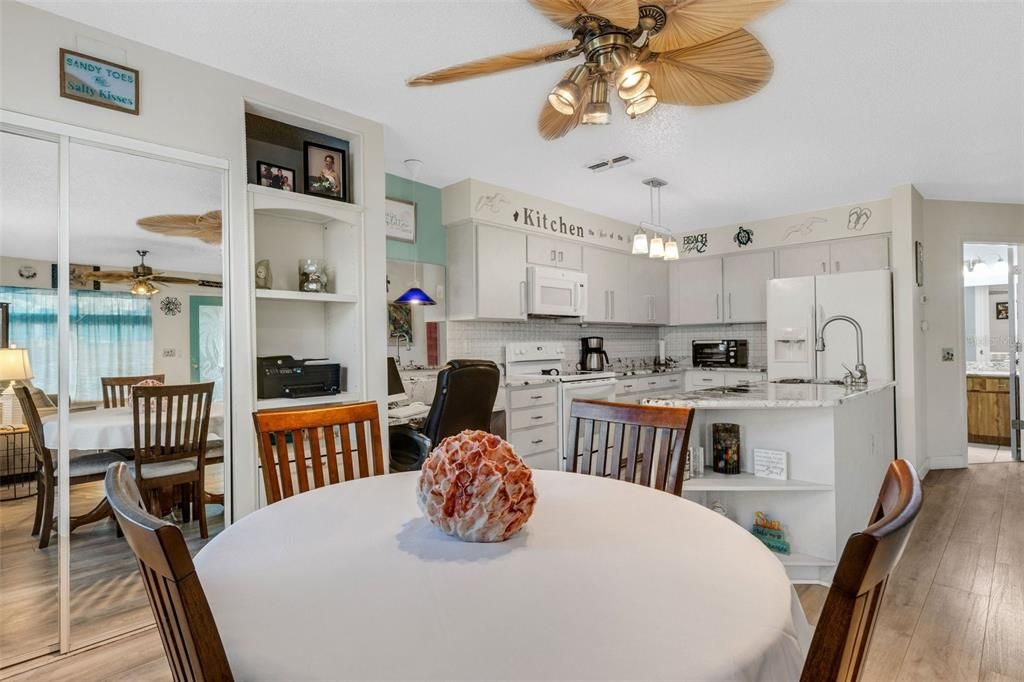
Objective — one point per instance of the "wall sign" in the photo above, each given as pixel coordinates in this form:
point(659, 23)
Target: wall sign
point(400, 220)
point(99, 82)
point(771, 464)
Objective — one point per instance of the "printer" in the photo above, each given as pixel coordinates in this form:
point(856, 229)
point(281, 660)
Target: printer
point(282, 376)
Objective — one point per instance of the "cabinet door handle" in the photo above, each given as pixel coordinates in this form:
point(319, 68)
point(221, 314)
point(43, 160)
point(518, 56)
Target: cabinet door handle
point(561, 256)
point(536, 417)
point(522, 298)
point(837, 266)
point(652, 383)
point(552, 255)
point(537, 442)
point(718, 302)
point(536, 397)
point(730, 305)
point(824, 266)
point(612, 294)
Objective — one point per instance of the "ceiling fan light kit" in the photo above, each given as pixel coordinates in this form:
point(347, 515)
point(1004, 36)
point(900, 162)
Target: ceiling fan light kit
point(692, 52)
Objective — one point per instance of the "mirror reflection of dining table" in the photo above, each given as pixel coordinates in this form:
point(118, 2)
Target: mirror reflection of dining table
point(111, 428)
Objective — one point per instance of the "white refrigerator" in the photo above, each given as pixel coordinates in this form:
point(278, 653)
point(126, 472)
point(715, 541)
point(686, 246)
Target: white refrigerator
point(799, 306)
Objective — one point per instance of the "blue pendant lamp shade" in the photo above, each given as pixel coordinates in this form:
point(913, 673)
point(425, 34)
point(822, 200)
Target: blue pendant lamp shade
point(415, 296)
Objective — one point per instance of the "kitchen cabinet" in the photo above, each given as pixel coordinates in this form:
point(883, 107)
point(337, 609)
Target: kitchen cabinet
point(486, 273)
point(698, 379)
point(988, 410)
point(743, 378)
point(858, 255)
point(555, 253)
point(648, 292)
point(744, 286)
point(840, 255)
point(696, 291)
point(533, 424)
point(608, 284)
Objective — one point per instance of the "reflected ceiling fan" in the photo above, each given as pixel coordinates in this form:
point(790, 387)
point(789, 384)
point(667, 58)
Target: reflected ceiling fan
point(692, 52)
point(141, 278)
point(205, 227)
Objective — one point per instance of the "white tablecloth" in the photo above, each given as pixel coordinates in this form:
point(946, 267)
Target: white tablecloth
point(107, 429)
point(608, 580)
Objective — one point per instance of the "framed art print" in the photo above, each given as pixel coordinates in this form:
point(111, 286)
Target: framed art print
point(400, 220)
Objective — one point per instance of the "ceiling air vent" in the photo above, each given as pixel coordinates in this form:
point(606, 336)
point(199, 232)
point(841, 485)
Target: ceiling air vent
point(608, 164)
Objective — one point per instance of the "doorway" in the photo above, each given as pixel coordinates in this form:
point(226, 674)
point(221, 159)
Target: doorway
point(992, 334)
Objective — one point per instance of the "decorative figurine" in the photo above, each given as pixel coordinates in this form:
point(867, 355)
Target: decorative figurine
point(264, 277)
point(770, 532)
point(312, 275)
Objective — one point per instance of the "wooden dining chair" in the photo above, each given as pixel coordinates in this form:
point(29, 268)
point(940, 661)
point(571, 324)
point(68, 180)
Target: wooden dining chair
point(841, 639)
point(285, 435)
point(117, 390)
point(630, 440)
point(189, 633)
point(82, 469)
point(171, 428)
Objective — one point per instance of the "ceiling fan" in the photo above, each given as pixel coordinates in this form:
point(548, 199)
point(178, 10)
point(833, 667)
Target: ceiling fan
point(692, 52)
point(205, 227)
point(141, 278)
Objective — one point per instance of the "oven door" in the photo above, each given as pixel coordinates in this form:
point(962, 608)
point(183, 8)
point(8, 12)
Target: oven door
point(556, 293)
point(595, 389)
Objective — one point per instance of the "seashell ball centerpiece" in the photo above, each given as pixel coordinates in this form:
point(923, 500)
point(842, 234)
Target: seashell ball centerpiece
point(475, 487)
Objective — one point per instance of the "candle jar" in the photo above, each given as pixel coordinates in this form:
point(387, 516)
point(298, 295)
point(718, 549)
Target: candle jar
point(312, 275)
point(725, 445)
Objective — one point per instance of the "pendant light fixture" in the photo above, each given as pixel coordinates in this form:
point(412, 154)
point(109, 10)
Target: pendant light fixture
point(414, 295)
point(658, 246)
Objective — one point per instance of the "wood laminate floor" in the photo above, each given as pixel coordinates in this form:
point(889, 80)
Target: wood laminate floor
point(954, 609)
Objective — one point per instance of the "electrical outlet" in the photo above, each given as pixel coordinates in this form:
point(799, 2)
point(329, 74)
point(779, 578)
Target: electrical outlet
point(947, 355)
point(169, 353)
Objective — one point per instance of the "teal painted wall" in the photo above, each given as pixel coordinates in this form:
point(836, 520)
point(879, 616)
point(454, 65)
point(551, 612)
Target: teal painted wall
point(431, 242)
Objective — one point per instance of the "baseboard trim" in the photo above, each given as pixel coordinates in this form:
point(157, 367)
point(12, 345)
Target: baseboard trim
point(948, 462)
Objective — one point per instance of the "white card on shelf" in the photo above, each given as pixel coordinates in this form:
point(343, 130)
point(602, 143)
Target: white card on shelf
point(771, 464)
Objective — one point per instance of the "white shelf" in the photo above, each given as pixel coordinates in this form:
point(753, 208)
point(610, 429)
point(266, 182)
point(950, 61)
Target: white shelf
point(288, 295)
point(747, 482)
point(272, 403)
point(298, 206)
point(798, 559)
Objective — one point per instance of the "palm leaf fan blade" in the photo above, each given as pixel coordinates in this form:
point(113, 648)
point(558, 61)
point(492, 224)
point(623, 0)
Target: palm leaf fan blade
point(623, 13)
point(690, 23)
point(495, 64)
point(205, 227)
point(109, 277)
point(552, 124)
point(726, 69)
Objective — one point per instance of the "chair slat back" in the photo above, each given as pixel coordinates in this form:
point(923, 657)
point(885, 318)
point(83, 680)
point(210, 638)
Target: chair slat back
point(183, 617)
point(44, 455)
point(299, 446)
point(171, 422)
point(117, 390)
point(644, 444)
point(841, 638)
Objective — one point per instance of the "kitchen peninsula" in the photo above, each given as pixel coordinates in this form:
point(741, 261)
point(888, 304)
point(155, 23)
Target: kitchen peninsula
point(839, 441)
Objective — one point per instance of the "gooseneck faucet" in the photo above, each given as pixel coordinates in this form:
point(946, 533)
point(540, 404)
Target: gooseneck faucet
point(858, 376)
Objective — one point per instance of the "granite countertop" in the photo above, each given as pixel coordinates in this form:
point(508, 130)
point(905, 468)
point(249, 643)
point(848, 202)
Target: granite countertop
point(680, 370)
point(989, 373)
point(517, 382)
point(767, 395)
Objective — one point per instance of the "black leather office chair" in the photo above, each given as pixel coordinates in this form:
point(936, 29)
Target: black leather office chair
point(463, 399)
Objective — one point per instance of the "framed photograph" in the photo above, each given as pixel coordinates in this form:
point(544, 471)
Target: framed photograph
point(99, 82)
point(326, 171)
point(273, 175)
point(919, 263)
point(400, 220)
point(1003, 310)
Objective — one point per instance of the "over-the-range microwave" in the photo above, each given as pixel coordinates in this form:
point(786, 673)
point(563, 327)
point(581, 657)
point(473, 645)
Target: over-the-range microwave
point(553, 292)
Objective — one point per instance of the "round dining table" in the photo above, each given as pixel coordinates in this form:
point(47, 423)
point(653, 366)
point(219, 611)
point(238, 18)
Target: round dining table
point(608, 581)
point(111, 428)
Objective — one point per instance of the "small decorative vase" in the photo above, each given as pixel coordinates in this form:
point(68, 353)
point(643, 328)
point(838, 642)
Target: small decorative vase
point(475, 487)
point(312, 275)
point(264, 277)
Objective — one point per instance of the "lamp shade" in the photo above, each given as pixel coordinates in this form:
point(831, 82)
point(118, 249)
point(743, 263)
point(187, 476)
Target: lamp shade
point(640, 243)
point(415, 296)
point(14, 364)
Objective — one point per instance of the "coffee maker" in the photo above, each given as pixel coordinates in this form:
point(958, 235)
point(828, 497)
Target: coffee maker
point(592, 354)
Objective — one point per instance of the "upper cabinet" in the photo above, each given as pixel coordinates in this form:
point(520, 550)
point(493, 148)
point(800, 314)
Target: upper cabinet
point(744, 290)
point(486, 273)
point(841, 255)
point(716, 290)
point(696, 291)
point(608, 282)
point(648, 291)
point(554, 253)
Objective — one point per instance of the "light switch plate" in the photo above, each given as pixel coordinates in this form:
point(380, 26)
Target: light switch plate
point(169, 353)
point(947, 355)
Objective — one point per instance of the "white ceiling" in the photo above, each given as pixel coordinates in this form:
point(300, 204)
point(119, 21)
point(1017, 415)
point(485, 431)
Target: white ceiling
point(866, 96)
point(109, 192)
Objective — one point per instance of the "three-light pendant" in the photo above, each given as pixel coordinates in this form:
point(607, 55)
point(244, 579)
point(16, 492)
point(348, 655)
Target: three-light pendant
point(656, 246)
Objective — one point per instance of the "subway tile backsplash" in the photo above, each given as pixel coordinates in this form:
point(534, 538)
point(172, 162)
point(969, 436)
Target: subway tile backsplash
point(625, 345)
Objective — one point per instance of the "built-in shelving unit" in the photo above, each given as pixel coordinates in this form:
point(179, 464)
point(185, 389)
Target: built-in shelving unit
point(285, 295)
point(747, 482)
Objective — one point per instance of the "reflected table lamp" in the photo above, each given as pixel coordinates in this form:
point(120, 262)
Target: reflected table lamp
point(14, 366)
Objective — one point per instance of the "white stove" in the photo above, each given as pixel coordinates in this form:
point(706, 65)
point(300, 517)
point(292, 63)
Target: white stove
point(546, 361)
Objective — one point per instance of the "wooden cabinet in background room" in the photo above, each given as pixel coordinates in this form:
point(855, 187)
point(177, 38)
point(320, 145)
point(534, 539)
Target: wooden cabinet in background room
point(988, 410)
point(486, 273)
